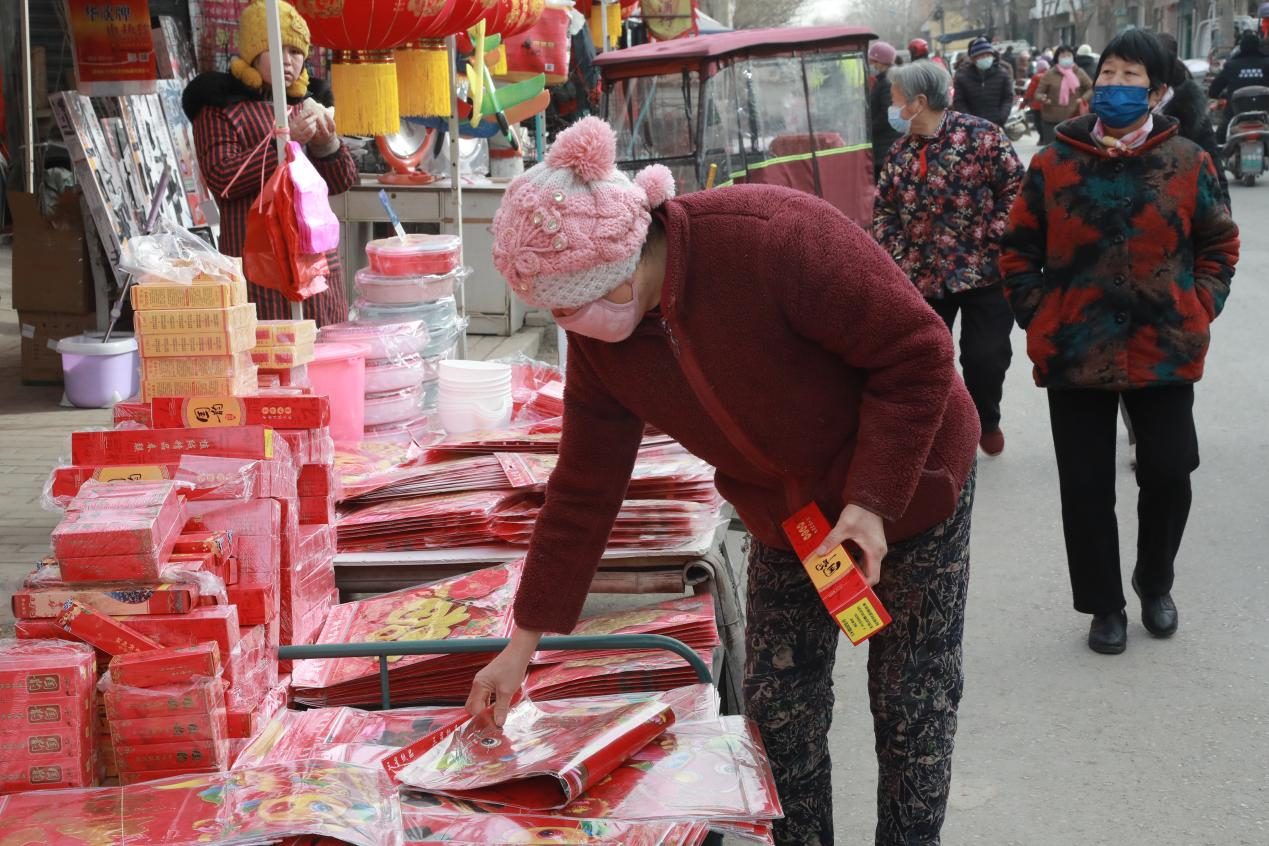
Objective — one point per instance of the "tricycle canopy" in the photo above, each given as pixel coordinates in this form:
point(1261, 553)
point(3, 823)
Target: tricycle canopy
point(776, 106)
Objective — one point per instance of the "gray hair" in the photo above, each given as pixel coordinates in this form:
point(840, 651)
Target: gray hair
point(923, 77)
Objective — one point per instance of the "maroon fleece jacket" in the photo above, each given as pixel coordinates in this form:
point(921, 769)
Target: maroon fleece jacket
point(807, 338)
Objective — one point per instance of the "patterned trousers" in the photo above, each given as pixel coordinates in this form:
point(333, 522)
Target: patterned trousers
point(914, 683)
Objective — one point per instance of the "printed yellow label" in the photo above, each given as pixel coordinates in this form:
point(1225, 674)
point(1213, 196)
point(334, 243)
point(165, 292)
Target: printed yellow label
point(827, 569)
point(859, 620)
point(137, 473)
point(268, 443)
point(203, 412)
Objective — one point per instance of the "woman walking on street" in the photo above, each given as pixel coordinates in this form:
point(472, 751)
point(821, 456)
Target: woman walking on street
point(942, 205)
point(1119, 255)
point(715, 317)
point(1060, 92)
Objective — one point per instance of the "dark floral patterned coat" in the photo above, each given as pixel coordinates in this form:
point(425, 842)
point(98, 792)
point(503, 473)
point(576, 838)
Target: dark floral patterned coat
point(943, 203)
point(1116, 265)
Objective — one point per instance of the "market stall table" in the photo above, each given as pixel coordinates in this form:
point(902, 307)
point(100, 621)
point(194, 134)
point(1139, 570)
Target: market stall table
point(703, 566)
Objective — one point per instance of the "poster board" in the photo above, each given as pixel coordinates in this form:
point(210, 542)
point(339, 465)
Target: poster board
point(112, 45)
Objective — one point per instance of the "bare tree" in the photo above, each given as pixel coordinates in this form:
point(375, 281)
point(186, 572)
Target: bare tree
point(752, 14)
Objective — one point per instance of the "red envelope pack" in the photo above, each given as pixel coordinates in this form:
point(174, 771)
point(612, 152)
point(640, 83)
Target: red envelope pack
point(112, 599)
point(348, 804)
point(466, 474)
point(166, 446)
point(437, 522)
point(167, 666)
point(472, 605)
point(288, 411)
point(850, 601)
point(688, 618)
point(546, 755)
point(103, 632)
point(217, 623)
point(599, 674)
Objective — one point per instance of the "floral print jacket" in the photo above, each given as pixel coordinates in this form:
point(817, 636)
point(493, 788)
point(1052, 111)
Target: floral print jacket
point(943, 204)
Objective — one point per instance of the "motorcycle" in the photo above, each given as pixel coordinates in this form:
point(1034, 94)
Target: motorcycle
point(1247, 137)
point(1017, 125)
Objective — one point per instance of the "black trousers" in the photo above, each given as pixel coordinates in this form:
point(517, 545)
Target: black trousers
point(1084, 433)
point(986, 321)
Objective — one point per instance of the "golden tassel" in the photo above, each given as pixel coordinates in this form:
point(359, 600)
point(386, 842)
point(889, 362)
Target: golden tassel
point(423, 78)
point(614, 25)
point(499, 67)
point(364, 83)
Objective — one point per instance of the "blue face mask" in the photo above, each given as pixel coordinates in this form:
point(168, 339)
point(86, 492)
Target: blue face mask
point(1120, 105)
point(898, 122)
point(985, 63)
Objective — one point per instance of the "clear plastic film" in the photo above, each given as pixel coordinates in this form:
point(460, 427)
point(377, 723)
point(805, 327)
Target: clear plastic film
point(394, 406)
point(379, 289)
point(537, 389)
point(176, 591)
point(460, 827)
point(174, 255)
point(355, 805)
point(384, 340)
point(545, 755)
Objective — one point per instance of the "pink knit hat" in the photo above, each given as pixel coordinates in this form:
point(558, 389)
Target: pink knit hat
point(571, 229)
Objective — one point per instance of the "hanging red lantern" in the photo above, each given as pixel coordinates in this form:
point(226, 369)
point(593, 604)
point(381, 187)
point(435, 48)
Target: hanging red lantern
point(363, 34)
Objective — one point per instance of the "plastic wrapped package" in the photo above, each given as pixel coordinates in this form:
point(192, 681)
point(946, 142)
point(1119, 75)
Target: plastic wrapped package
point(209, 622)
point(282, 410)
point(378, 288)
point(689, 619)
point(174, 255)
point(312, 446)
point(545, 756)
point(384, 376)
point(600, 674)
point(415, 254)
point(253, 655)
point(436, 316)
point(101, 631)
point(249, 720)
point(384, 340)
point(119, 519)
point(422, 431)
point(351, 804)
point(394, 407)
point(436, 522)
point(284, 377)
point(160, 667)
point(48, 699)
point(430, 824)
point(133, 415)
point(130, 447)
point(214, 478)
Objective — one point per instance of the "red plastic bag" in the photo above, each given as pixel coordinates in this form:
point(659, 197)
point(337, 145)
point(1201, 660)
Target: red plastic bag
point(272, 255)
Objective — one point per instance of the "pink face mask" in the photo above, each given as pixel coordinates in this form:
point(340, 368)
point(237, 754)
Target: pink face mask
point(604, 320)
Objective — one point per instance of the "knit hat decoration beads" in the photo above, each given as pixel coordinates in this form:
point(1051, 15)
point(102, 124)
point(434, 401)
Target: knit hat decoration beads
point(571, 229)
point(253, 39)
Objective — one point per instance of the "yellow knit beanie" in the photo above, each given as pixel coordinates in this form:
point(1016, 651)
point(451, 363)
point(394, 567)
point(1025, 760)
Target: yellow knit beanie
point(253, 39)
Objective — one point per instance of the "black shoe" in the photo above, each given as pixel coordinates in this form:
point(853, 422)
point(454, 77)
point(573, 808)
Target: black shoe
point(1109, 633)
point(1158, 613)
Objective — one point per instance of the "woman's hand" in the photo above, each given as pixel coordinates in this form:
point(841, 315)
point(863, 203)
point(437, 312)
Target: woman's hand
point(302, 125)
point(323, 128)
point(498, 682)
point(869, 534)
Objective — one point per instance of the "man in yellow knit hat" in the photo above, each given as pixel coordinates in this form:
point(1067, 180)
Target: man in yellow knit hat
point(233, 130)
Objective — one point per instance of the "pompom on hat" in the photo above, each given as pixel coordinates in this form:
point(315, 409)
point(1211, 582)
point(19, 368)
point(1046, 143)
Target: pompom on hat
point(571, 229)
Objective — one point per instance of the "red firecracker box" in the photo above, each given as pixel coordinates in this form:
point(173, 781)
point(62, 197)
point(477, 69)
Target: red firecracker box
point(310, 446)
point(248, 655)
point(217, 623)
point(216, 478)
point(113, 599)
point(167, 666)
point(47, 708)
point(102, 631)
point(317, 510)
point(166, 446)
point(66, 482)
point(261, 518)
point(149, 731)
point(317, 480)
point(257, 604)
point(248, 721)
point(133, 567)
point(118, 518)
point(180, 756)
point(219, 544)
point(202, 695)
point(259, 558)
point(280, 412)
point(20, 775)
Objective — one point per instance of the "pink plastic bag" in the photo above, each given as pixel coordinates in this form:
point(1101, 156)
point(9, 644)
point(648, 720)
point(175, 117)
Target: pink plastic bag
point(319, 228)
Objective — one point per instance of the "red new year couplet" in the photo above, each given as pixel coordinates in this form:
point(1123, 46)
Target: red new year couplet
point(114, 52)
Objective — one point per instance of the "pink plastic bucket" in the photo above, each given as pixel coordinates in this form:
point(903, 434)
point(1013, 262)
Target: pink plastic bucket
point(339, 372)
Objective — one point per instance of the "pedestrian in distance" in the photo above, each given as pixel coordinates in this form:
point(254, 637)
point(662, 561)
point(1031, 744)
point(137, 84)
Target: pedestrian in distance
point(941, 208)
point(881, 57)
point(1249, 67)
point(983, 87)
point(660, 333)
point(1061, 91)
point(1086, 59)
point(1119, 256)
point(1031, 95)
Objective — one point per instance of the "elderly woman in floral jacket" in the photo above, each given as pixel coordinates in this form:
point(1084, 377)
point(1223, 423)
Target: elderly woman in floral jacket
point(1119, 255)
point(942, 205)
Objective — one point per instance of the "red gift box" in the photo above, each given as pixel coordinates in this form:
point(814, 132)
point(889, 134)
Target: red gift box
point(317, 480)
point(259, 559)
point(217, 478)
point(257, 604)
point(102, 631)
point(217, 623)
point(47, 705)
point(24, 774)
point(310, 446)
point(149, 731)
point(166, 446)
point(162, 667)
point(99, 527)
point(266, 534)
point(286, 411)
point(66, 482)
point(132, 567)
point(200, 696)
point(317, 510)
point(115, 600)
point(178, 756)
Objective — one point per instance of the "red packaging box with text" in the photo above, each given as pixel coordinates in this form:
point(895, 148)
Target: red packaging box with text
point(135, 758)
point(195, 726)
point(134, 567)
point(166, 446)
point(166, 666)
point(103, 632)
point(117, 600)
point(217, 623)
point(200, 696)
point(257, 604)
point(286, 411)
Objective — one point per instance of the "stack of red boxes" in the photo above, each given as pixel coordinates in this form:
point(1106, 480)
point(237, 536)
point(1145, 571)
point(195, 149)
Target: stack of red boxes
point(47, 706)
point(283, 351)
point(166, 712)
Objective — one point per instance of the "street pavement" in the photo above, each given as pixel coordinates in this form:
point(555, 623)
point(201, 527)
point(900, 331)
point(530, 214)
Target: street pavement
point(1167, 743)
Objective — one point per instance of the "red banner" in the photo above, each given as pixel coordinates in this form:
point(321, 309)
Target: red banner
point(114, 50)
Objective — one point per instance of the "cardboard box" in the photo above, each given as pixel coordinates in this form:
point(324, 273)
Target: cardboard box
point(163, 295)
point(197, 367)
point(41, 365)
point(166, 446)
point(167, 666)
point(187, 321)
point(51, 272)
point(243, 383)
point(283, 358)
point(101, 631)
point(206, 342)
point(280, 412)
point(285, 333)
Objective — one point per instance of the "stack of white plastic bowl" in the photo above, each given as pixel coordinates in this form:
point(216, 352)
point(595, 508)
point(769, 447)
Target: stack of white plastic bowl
point(474, 395)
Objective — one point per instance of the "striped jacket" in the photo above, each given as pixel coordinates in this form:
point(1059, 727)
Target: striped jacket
point(230, 122)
